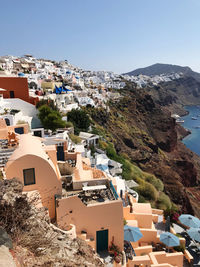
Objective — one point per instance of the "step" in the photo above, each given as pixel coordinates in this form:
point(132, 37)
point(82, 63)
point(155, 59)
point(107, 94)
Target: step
point(82, 236)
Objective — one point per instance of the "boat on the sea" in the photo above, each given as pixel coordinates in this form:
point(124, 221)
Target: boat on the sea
point(196, 127)
point(198, 115)
point(180, 121)
point(194, 118)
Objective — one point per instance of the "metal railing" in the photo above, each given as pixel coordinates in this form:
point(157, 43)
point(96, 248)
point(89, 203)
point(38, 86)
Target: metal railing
point(113, 190)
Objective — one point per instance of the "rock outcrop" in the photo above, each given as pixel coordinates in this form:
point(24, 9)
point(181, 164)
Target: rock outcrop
point(35, 241)
point(175, 94)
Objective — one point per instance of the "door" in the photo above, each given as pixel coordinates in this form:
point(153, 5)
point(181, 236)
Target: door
point(19, 130)
point(7, 121)
point(12, 94)
point(102, 240)
point(60, 153)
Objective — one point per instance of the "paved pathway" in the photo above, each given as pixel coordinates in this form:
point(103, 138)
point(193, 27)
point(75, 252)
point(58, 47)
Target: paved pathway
point(108, 260)
point(160, 226)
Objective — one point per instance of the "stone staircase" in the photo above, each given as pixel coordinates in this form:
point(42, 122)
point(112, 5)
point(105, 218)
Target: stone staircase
point(89, 239)
point(4, 156)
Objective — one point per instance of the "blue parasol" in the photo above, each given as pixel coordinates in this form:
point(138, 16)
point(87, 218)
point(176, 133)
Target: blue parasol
point(194, 233)
point(189, 220)
point(132, 234)
point(169, 239)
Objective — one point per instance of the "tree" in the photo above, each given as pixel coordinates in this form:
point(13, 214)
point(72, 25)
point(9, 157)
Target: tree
point(51, 119)
point(47, 102)
point(80, 120)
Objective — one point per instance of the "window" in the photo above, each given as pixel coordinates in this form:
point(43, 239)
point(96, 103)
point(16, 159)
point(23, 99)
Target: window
point(19, 130)
point(38, 133)
point(29, 176)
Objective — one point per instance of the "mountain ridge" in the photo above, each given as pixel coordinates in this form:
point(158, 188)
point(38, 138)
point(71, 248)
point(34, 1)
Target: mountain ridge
point(161, 68)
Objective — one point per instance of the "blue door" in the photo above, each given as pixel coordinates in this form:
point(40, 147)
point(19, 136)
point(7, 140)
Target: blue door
point(102, 240)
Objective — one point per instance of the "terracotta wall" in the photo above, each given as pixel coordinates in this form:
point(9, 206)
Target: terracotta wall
point(4, 133)
point(47, 182)
point(139, 260)
point(69, 155)
point(149, 235)
point(144, 220)
point(92, 218)
point(139, 251)
point(24, 125)
point(20, 87)
point(175, 259)
point(3, 129)
point(157, 211)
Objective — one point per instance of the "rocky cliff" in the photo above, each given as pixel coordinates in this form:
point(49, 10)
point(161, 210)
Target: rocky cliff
point(175, 94)
point(140, 129)
point(36, 242)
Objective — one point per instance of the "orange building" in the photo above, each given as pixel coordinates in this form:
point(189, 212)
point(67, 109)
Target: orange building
point(16, 87)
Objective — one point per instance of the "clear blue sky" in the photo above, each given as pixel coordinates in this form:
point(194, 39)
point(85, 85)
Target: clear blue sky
point(117, 35)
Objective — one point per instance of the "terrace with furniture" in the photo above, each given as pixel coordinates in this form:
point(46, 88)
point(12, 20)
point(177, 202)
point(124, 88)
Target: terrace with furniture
point(94, 210)
point(149, 250)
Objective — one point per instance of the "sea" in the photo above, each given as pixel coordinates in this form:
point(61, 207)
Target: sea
point(192, 141)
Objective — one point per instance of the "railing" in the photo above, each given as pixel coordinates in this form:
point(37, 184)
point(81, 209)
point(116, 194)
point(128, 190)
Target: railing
point(113, 190)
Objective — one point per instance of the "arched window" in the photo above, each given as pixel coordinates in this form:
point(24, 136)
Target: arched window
point(7, 121)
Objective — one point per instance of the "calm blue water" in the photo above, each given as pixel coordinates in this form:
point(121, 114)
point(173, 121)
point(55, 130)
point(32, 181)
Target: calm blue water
point(192, 141)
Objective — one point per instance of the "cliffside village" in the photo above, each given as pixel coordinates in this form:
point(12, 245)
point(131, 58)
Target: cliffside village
point(85, 195)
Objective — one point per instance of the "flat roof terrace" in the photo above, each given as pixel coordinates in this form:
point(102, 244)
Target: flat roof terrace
point(91, 196)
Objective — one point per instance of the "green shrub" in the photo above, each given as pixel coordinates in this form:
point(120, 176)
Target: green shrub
point(171, 212)
point(80, 120)
point(178, 235)
point(99, 131)
point(142, 199)
point(180, 248)
point(148, 191)
point(69, 124)
point(92, 149)
point(48, 102)
point(102, 144)
point(51, 119)
point(76, 139)
point(164, 202)
point(157, 183)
